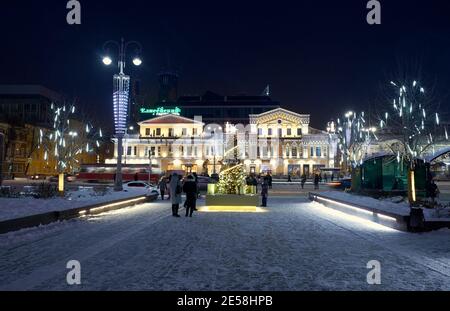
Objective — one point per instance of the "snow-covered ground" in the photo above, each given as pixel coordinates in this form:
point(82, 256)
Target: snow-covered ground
point(393, 205)
point(293, 245)
point(11, 208)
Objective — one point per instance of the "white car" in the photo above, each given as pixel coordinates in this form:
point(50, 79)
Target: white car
point(151, 189)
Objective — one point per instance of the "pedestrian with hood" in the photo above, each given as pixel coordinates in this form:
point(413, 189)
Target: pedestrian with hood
point(190, 188)
point(175, 193)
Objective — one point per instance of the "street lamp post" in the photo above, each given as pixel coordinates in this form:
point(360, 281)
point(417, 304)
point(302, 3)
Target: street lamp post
point(121, 94)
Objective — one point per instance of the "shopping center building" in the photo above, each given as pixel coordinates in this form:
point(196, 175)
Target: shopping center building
point(278, 141)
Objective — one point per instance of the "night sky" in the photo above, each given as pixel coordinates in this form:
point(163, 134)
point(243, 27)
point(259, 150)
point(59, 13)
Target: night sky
point(319, 57)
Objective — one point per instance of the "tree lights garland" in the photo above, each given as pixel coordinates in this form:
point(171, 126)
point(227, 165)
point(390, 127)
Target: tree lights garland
point(354, 138)
point(67, 139)
point(410, 120)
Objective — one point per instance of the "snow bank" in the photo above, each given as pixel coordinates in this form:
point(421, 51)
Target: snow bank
point(11, 208)
point(391, 205)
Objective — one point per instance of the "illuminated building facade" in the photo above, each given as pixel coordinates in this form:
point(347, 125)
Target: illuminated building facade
point(279, 141)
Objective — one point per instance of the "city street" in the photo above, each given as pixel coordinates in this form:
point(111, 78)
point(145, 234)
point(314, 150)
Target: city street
point(291, 245)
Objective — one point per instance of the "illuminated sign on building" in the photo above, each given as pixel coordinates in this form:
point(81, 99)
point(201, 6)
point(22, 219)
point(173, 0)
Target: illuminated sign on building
point(161, 111)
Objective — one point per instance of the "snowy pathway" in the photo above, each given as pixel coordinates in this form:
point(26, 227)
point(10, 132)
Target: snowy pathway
point(294, 245)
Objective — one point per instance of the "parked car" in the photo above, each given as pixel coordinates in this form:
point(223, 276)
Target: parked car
point(151, 189)
point(37, 177)
point(343, 184)
point(203, 182)
point(215, 178)
point(67, 177)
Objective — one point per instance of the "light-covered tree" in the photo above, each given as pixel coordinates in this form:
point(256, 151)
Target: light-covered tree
point(412, 124)
point(68, 140)
point(354, 136)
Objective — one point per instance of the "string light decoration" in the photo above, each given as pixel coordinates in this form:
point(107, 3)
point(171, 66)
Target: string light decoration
point(412, 123)
point(120, 102)
point(232, 174)
point(354, 138)
point(67, 140)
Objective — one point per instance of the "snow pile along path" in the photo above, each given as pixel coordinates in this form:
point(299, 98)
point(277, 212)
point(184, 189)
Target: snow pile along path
point(386, 205)
point(11, 208)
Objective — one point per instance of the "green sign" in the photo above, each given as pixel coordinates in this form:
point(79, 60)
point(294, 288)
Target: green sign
point(161, 111)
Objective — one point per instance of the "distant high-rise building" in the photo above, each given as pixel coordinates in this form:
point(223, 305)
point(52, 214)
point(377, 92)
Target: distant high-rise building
point(168, 86)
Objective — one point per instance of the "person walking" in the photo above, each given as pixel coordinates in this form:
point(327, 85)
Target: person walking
point(190, 188)
point(316, 181)
point(264, 191)
point(303, 180)
point(175, 193)
point(162, 187)
point(289, 178)
point(269, 179)
point(198, 188)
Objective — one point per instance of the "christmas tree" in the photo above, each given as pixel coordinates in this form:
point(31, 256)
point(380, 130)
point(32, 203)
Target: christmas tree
point(232, 175)
point(232, 178)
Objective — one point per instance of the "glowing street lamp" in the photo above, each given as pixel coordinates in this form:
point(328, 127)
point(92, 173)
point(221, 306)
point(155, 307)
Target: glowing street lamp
point(107, 60)
point(121, 97)
point(137, 61)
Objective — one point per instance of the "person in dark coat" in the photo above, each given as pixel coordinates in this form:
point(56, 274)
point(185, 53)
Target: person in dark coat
point(175, 193)
point(162, 187)
point(198, 188)
point(303, 180)
point(433, 191)
point(255, 183)
point(264, 191)
point(269, 180)
point(289, 178)
point(190, 188)
point(316, 181)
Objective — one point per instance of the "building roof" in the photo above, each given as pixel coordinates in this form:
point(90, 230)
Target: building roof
point(28, 89)
point(211, 97)
point(282, 110)
point(170, 119)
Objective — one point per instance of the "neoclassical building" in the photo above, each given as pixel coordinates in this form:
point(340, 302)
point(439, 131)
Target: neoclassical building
point(278, 141)
point(288, 145)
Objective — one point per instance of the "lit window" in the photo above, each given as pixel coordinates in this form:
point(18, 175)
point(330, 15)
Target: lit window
point(318, 151)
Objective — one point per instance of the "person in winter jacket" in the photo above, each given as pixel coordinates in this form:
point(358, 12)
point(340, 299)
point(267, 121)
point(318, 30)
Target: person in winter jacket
point(303, 180)
point(264, 191)
point(175, 193)
point(190, 188)
point(316, 181)
point(162, 187)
